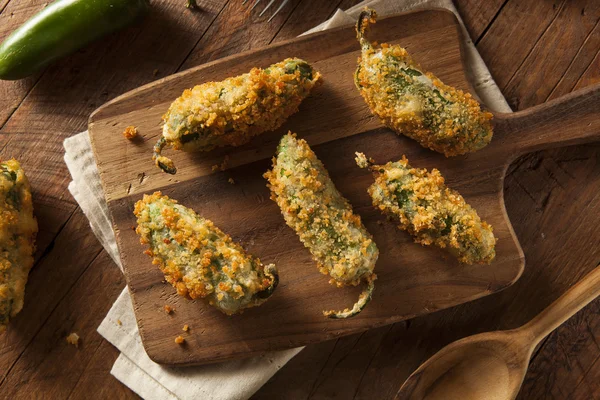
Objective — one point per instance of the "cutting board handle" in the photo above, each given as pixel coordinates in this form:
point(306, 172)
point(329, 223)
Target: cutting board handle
point(568, 120)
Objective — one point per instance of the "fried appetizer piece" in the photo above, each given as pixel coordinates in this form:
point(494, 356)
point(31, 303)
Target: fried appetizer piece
point(231, 112)
point(431, 212)
point(416, 103)
point(18, 228)
point(323, 219)
point(198, 259)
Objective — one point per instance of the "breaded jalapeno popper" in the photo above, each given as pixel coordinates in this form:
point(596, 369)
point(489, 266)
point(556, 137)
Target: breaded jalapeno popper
point(231, 112)
point(431, 212)
point(18, 228)
point(323, 219)
point(415, 103)
point(198, 259)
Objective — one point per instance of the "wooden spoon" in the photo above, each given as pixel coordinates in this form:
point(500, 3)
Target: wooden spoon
point(492, 365)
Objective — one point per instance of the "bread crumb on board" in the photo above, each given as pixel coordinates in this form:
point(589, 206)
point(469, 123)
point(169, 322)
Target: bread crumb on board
point(230, 180)
point(179, 340)
point(119, 322)
point(73, 339)
point(222, 166)
point(186, 328)
point(169, 309)
point(130, 132)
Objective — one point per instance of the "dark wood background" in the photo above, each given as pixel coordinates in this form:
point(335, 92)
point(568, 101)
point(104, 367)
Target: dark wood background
point(536, 49)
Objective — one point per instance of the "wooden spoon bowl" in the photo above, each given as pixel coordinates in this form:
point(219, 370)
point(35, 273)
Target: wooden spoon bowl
point(492, 365)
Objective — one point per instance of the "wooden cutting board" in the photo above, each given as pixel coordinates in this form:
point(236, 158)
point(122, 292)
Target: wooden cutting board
point(413, 280)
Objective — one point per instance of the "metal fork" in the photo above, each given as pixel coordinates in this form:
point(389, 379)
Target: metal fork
point(283, 3)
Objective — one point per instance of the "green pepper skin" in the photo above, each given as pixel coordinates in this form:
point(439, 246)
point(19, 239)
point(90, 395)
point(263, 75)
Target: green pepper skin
point(62, 28)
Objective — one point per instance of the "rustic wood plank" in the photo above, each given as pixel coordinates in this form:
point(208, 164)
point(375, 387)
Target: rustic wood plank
point(591, 75)
point(551, 56)
point(97, 379)
point(307, 15)
point(58, 108)
point(48, 283)
point(334, 54)
point(12, 15)
point(3, 4)
point(299, 373)
point(568, 365)
point(341, 365)
point(296, 380)
point(35, 374)
point(478, 15)
point(406, 346)
point(581, 63)
point(571, 80)
point(71, 89)
point(505, 48)
point(296, 318)
point(298, 377)
point(237, 29)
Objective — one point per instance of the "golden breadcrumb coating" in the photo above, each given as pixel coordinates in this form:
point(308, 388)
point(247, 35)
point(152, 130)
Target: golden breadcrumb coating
point(73, 339)
point(198, 259)
point(18, 228)
point(415, 103)
point(431, 212)
point(231, 112)
point(130, 132)
point(322, 218)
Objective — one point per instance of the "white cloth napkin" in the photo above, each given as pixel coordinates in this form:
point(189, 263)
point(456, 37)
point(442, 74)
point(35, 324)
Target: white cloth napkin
point(233, 379)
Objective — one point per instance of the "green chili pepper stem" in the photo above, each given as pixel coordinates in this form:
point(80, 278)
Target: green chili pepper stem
point(361, 25)
point(162, 162)
point(271, 272)
point(363, 300)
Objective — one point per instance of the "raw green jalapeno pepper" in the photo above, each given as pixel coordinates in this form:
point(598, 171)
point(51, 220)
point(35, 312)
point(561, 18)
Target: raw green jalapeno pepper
point(62, 28)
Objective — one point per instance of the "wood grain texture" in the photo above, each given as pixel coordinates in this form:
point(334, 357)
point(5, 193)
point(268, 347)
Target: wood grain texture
point(554, 213)
point(69, 90)
point(12, 16)
point(336, 122)
point(556, 373)
point(294, 321)
point(50, 280)
point(102, 283)
point(333, 111)
point(551, 198)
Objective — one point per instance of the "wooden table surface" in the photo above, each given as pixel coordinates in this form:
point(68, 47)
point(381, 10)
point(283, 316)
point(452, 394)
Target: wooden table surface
point(537, 50)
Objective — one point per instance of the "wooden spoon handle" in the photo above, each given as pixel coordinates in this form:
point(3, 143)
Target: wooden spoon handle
point(568, 120)
point(577, 297)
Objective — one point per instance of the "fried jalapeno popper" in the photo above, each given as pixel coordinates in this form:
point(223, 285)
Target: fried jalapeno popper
point(198, 259)
point(231, 112)
point(323, 219)
point(431, 212)
point(415, 103)
point(18, 228)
